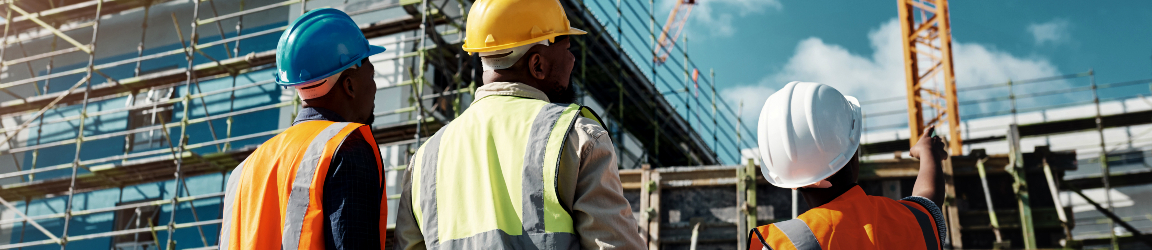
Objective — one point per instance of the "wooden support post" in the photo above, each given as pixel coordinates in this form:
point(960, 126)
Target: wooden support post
point(654, 212)
point(750, 196)
point(645, 177)
point(745, 202)
point(1020, 186)
point(950, 209)
point(987, 199)
point(993, 220)
point(1054, 190)
point(742, 226)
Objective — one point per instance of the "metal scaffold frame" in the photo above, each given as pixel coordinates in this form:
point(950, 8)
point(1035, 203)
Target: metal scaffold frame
point(1030, 96)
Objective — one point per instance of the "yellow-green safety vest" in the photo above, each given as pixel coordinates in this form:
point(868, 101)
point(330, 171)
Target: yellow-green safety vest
point(488, 179)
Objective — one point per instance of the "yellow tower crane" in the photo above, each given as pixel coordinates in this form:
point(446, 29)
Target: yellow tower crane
point(927, 42)
point(677, 18)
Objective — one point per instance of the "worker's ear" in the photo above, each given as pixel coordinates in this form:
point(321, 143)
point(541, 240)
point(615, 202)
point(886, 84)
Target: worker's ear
point(348, 86)
point(537, 66)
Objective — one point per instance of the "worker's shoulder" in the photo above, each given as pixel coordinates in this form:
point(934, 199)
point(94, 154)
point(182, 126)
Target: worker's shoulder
point(888, 204)
point(858, 207)
point(903, 209)
point(586, 127)
point(360, 149)
point(355, 140)
point(820, 215)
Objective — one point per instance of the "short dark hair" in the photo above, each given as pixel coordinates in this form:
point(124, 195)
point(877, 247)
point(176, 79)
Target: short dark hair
point(343, 75)
point(847, 174)
point(348, 72)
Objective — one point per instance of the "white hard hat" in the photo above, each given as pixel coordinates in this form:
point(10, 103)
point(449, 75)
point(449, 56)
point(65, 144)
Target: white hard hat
point(807, 132)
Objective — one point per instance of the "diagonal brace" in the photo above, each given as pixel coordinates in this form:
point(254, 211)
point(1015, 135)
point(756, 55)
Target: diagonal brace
point(1135, 232)
point(85, 48)
point(30, 221)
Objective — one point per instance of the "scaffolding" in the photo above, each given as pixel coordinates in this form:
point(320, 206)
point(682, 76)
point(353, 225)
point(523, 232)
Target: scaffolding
point(173, 161)
point(643, 107)
point(619, 50)
point(1045, 96)
point(754, 199)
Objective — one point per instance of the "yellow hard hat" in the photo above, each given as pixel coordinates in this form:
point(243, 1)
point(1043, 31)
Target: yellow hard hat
point(502, 24)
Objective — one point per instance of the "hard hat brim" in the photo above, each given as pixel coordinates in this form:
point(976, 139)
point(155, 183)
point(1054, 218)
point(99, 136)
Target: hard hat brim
point(372, 50)
point(571, 32)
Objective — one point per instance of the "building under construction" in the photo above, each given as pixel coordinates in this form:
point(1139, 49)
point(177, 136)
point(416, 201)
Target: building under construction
point(122, 119)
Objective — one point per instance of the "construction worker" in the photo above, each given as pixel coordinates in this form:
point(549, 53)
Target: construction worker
point(809, 138)
point(317, 185)
point(522, 167)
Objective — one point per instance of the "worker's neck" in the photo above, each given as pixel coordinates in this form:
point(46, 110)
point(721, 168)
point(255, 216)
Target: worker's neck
point(342, 110)
point(816, 197)
point(508, 76)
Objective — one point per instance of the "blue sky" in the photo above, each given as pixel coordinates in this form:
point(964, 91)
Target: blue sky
point(757, 46)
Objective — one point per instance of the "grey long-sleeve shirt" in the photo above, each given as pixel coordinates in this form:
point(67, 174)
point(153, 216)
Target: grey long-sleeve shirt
point(588, 184)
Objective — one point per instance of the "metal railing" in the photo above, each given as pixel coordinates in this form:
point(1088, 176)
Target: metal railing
point(694, 95)
point(1001, 99)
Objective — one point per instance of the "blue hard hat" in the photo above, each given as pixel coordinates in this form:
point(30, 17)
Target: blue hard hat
point(317, 45)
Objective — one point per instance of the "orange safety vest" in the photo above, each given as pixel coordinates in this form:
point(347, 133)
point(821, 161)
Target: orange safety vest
point(854, 220)
point(274, 198)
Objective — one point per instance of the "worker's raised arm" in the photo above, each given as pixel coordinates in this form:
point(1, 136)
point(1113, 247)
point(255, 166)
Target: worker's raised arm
point(930, 180)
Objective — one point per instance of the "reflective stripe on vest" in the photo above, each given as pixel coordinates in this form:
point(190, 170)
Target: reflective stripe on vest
point(274, 197)
point(229, 196)
point(501, 144)
point(799, 234)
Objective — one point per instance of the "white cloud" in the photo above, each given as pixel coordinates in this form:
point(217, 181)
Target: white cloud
point(881, 74)
point(716, 17)
point(1051, 32)
point(978, 65)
